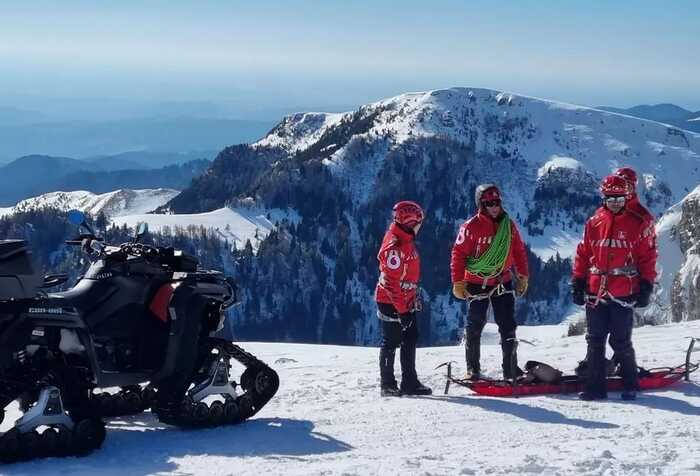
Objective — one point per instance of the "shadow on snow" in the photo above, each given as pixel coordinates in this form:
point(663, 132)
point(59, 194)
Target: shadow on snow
point(526, 412)
point(140, 446)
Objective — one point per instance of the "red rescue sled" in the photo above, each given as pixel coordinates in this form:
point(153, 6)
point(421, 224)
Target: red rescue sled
point(648, 380)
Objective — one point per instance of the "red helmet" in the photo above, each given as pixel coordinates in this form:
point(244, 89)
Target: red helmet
point(486, 192)
point(408, 213)
point(628, 174)
point(614, 185)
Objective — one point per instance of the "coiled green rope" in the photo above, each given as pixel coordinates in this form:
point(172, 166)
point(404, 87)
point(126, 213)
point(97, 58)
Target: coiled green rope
point(491, 263)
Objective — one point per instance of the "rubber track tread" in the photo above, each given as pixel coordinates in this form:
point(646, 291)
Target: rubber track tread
point(193, 414)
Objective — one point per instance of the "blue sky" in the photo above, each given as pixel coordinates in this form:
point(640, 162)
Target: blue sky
point(332, 54)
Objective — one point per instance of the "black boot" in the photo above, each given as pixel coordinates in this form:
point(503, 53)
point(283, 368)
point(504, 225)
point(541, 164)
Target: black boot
point(472, 350)
point(509, 349)
point(390, 390)
point(628, 370)
point(415, 388)
point(595, 383)
point(386, 368)
point(410, 385)
point(408, 363)
point(629, 395)
point(589, 396)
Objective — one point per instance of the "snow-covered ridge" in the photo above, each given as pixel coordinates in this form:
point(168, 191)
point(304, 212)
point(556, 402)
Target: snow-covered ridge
point(501, 124)
point(298, 131)
point(554, 139)
point(598, 140)
point(237, 225)
point(112, 204)
point(130, 207)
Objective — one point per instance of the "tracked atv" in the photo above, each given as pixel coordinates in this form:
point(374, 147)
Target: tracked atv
point(141, 319)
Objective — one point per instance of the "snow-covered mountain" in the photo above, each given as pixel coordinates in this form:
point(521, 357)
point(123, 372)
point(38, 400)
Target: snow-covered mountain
point(112, 204)
point(237, 226)
point(551, 144)
point(342, 172)
point(509, 126)
point(327, 418)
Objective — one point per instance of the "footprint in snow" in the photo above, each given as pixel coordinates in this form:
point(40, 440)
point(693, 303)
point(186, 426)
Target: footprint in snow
point(285, 360)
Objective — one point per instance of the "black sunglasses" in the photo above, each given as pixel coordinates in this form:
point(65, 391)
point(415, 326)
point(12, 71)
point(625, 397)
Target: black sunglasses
point(492, 203)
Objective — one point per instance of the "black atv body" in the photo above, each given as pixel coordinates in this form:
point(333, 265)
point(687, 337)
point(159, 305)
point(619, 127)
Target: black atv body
point(140, 315)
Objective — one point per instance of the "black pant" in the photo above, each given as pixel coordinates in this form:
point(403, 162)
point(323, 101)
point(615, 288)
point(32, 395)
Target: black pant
point(504, 313)
point(617, 321)
point(393, 336)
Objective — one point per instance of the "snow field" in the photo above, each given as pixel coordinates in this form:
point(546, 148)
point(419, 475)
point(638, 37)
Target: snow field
point(328, 418)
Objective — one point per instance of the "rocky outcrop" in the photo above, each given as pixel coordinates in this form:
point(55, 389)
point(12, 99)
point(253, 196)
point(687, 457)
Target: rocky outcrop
point(685, 291)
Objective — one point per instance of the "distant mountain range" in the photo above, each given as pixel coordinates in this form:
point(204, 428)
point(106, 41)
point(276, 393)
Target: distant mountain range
point(22, 137)
point(147, 159)
point(35, 175)
point(666, 113)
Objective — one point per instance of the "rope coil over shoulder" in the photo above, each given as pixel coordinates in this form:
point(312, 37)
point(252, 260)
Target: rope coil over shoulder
point(491, 263)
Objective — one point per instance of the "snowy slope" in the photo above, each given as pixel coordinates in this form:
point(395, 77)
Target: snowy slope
point(329, 419)
point(599, 140)
point(113, 204)
point(545, 135)
point(235, 225)
point(299, 131)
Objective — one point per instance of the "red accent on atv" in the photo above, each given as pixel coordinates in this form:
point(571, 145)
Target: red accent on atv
point(161, 301)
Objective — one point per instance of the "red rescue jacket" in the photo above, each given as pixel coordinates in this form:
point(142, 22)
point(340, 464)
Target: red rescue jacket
point(616, 251)
point(474, 238)
point(399, 270)
point(635, 206)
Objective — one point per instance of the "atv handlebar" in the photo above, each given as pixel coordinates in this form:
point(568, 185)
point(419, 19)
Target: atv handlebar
point(80, 239)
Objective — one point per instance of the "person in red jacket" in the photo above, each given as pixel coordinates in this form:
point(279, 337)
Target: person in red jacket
point(614, 271)
point(488, 245)
point(398, 300)
point(632, 203)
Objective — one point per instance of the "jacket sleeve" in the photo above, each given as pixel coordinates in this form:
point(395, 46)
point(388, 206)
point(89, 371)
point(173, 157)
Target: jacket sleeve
point(647, 252)
point(461, 250)
point(391, 267)
point(582, 259)
point(519, 252)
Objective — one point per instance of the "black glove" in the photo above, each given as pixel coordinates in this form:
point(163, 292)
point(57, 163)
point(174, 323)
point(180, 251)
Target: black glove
point(406, 320)
point(578, 291)
point(645, 289)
